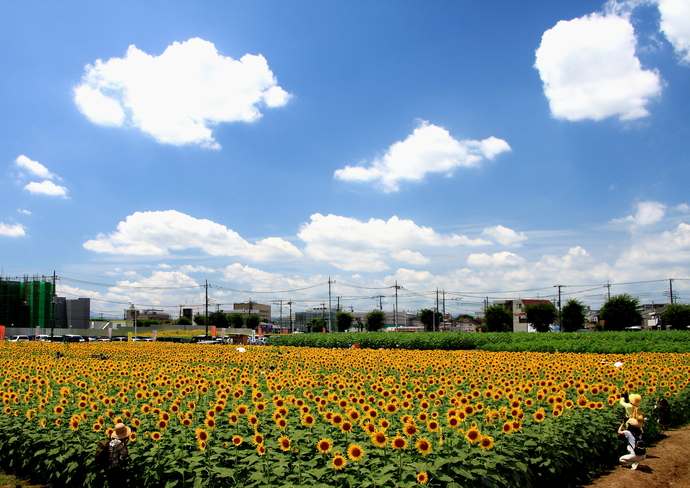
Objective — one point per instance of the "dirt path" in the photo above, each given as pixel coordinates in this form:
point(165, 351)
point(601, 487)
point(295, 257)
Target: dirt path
point(667, 466)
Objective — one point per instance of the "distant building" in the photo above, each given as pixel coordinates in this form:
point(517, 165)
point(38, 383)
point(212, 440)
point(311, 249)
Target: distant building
point(264, 311)
point(26, 302)
point(517, 308)
point(464, 324)
point(74, 314)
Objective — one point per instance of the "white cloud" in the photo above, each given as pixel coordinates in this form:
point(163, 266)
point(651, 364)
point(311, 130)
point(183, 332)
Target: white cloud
point(46, 188)
point(196, 269)
point(24, 211)
point(683, 208)
point(350, 244)
point(499, 259)
point(504, 235)
point(33, 167)
point(15, 230)
point(662, 250)
point(429, 149)
point(647, 213)
point(158, 233)
point(590, 71)
point(410, 257)
point(260, 280)
point(675, 24)
point(179, 96)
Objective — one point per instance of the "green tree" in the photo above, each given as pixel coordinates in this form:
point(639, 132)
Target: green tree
point(252, 321)
point(620, 311)
point(344, 321)
point(676, 316)
point(376, 320)
point(498, 318)
point(236, 320)
point(200, 319)
point(316, 324)
point(573, 315)
point(541, 315)
point(219, 319)
point(184, 321)
point(430, 319)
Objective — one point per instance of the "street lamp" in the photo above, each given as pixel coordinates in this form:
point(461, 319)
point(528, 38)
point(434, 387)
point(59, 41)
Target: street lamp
point(134, 314)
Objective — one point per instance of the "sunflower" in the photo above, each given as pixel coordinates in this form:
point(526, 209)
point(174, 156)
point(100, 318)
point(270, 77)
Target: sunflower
point(202, 445)
point(232, 418)
point(410, 430)
point(201, 435)
point(261, 449)
point(237, 440)
point(74, 424)
point(423, 446)
point(473, 435)
point(339, 462)
point(242, 410)
point(422, 478)
point(324, 446)
point(432, 425)
point(284, 443)
point(346, 427)
point(486, 442)
point(507, 427)
point(355, 452)
point(96, 427)
point(399, 442)
point(258, 439)
point(539, 415)
point(308, 420)
point(156, 436)
point(210, 422)
point(379, 439)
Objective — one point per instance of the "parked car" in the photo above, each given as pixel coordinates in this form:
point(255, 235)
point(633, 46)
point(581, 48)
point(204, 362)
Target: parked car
point(90, 338)
point(19, 338)
point(119, 338)
point(57, 338)
point(103, 339)
point(43, 337)
point(169, 339)
point(73, 338)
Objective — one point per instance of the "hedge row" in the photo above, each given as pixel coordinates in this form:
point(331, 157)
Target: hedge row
point(578, 342)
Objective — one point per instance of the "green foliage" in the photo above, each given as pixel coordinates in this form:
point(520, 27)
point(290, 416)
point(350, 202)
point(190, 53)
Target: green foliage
point(573, 315)
point(236, 320)
point(498, 318)
point(621, 311)
point(676, 316)
point(184, 321)
point(430, 318)
point(344, 321)
point(252, 321)
point(219, 319)
point(316, 324)
point(376, 320)
point(541, 315)
point(200, 319)
point(578, 342)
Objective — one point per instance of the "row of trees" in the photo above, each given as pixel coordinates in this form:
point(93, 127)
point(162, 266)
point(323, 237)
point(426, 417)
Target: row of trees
point(222, 320)
point(617, 313)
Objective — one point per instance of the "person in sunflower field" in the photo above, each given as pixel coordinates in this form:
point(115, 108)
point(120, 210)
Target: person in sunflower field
point(632, 406)
point(663, 409)
point(637, 452)
point(115, 473)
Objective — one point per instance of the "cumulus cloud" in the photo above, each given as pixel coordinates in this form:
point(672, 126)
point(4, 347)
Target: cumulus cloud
point(504, 235)
point(179, 96)
point(675, 24)
point(670, 248)
point(499, 259)
point(429, 149)
point(24, 211)
point(683, 208)
point(351, 245)
point(12, 230)
point(647, 213)
point(33, 167)
point(46, 188)
point(158, 233)
point(589, 70)
point(410, 257)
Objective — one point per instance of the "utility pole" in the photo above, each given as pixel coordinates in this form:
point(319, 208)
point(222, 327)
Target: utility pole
point(54, 305)
point(396, 303)
point(608, 285)
point(436, 311)
point(206, 321)
point(559, 305)
point(444, 307)
point(330, 322)
point(291, 329)
point(670, 290)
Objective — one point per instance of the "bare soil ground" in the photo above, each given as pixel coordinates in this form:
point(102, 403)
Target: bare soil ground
point(667, 466)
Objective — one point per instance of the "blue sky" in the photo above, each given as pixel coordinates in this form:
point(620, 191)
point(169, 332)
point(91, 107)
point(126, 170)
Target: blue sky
point(485, 149)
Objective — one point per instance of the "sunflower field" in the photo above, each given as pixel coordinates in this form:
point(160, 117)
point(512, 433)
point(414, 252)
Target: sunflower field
point(214, 416)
